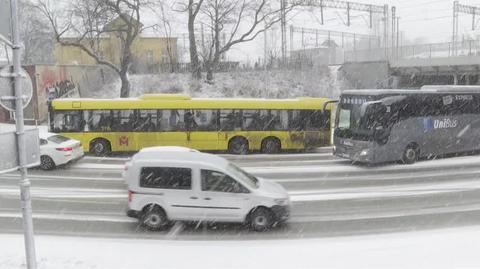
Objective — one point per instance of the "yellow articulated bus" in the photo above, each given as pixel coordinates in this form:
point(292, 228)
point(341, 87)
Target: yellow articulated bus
point(235, 125)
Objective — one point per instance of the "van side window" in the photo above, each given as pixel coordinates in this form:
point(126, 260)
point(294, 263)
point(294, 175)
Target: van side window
point(166, 178)
point(219, 182)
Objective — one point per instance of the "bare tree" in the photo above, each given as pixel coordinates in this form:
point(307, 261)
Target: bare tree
point(192, 8)
point(235, 22)
point(167, 28)
point(35, 34)
point(89, 21)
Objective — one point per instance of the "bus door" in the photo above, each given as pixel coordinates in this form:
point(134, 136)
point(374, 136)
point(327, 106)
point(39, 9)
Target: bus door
point(317, 128)
point(171, 130)
point(230, 123)
point(296, 128)
point(201, 126)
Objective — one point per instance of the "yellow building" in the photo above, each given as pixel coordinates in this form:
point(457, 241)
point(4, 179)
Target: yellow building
point(150, 54)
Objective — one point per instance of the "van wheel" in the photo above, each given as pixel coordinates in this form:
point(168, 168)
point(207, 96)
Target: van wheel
point(154, 218)
point(410, 155)
point(271, 145)
point(100, 147)
point(238, 146)
point(46, 163)
point(261, 219)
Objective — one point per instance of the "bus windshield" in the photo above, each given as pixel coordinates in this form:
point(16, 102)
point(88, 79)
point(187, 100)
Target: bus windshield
point(358, 118)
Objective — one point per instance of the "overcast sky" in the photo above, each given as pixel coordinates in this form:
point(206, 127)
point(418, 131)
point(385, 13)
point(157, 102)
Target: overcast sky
point(420, 21)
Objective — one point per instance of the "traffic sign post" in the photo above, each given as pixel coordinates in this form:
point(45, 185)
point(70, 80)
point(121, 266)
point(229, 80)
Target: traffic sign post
point(13, 76)
point(7, 92)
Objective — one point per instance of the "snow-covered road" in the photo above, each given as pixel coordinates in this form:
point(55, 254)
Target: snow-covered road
point(329, 197)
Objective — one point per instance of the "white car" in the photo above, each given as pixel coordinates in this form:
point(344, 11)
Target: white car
point(57, 150)
point(177, 183)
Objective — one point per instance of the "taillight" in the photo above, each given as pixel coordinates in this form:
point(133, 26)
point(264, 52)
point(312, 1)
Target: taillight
point(130, 193)
point(65, 149)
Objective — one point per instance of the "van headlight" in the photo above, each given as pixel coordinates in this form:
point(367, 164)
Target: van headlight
point(283, 201)
point(364, 152)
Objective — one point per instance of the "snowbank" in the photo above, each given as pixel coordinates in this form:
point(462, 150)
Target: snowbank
point(449, 248)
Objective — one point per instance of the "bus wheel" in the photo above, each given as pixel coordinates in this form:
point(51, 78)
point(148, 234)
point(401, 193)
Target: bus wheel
point(411, 154)
point(238, 146)
point(100, 147)
point(271, 145)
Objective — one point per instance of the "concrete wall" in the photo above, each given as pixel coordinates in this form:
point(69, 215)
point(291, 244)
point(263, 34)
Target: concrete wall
point(366, 75)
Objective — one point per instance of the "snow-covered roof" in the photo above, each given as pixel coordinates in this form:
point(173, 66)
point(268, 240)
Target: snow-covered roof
point(179, 155)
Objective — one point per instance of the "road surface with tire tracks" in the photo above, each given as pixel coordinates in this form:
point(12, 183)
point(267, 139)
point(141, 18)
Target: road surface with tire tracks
point(330, 197)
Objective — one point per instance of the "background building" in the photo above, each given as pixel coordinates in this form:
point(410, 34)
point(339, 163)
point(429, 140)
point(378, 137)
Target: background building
point(150, 54)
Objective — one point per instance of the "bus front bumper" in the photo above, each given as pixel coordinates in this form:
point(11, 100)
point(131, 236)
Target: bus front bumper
point(359, 153)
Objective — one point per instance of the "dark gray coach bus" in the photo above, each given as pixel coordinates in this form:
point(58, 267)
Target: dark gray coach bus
point(374, 126)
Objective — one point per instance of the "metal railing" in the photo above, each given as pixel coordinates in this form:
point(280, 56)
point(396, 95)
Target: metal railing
point(420, 51)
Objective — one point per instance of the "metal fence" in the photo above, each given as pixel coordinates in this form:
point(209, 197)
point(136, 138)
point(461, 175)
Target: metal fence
point(180, 68)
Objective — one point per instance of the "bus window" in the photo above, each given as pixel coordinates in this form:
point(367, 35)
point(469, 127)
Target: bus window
point(296, 120)
point(171, 120)
point(230, 119)
point(147, 121)
point(68, 121)
point(189, 119)
point(205, 120)
point(100, 120)
point(123, 120)
point(251, 120)
point(318, 120)
point(277, 120)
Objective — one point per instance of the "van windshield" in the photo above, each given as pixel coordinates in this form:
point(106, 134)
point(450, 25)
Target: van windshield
point(242, 175)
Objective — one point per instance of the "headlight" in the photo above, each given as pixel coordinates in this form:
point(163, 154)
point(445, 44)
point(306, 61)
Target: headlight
point(283, 201)
point(364, 152)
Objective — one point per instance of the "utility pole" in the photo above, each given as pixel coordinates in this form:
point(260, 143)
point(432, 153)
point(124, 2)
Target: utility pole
point(393, 30)
point(283, 29)
point(25, 197)
point(398, 38)
point(385, 30)
point(455, 28)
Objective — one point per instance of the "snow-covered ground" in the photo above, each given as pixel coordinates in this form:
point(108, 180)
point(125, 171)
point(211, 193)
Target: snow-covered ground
point(317, 82)
point(449, 248)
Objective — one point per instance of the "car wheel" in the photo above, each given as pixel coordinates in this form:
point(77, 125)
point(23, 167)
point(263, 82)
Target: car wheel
point(46, 163)
point(261, 219)
point(100, 147)
point(238, 146)
point(410, 154)
point(271, 146)
point(154, 218)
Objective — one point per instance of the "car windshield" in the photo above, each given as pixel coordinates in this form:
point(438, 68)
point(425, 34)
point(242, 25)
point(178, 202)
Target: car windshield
point(242, 175)
point(58, 139)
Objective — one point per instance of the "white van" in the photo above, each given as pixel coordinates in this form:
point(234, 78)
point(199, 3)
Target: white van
point(177, 183)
